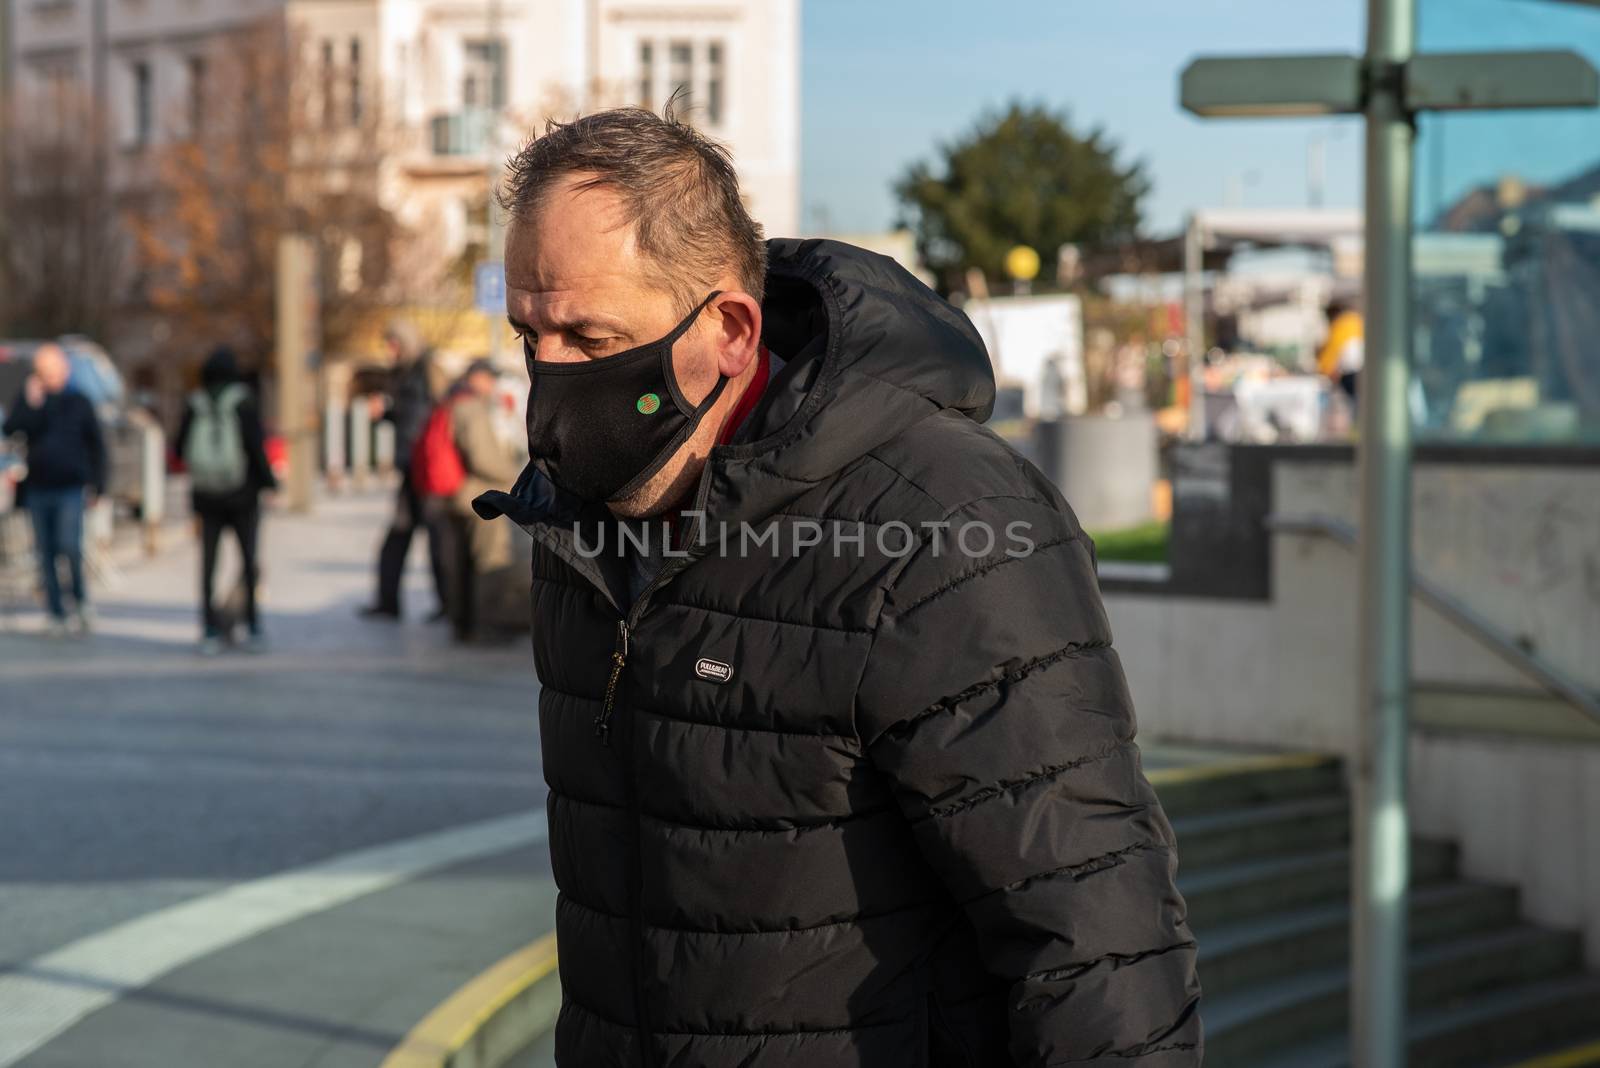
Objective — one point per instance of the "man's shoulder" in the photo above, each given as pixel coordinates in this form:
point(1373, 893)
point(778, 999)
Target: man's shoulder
point(947, 465)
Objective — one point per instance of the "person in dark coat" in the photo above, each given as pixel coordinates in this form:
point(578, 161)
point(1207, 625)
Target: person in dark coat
point(410, 403)
point(223, 445)
point(66, 473)
point(842, 770)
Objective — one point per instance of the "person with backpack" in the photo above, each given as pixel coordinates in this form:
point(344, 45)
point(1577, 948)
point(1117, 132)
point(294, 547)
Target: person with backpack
point(223, 447)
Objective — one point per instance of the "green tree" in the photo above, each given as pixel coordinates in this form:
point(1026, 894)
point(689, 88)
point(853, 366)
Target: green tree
point(1020, 177)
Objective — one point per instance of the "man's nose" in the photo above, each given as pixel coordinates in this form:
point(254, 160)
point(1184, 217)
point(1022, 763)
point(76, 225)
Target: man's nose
point(553, 351)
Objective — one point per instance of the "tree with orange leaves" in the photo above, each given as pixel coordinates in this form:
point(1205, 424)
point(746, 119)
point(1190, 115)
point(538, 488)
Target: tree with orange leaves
point(266, 149)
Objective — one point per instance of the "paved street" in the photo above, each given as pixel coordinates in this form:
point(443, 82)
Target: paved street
point(283, 859)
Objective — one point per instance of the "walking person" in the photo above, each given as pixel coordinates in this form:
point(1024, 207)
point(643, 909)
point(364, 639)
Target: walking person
point(223, 446)
point(408, 407)
point(843, 774)
point(66, 473)
point(488, 462)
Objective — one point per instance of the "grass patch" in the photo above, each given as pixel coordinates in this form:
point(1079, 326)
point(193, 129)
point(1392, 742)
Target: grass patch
point(1143, 544)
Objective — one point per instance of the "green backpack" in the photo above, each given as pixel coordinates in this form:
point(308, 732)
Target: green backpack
point(214, 452)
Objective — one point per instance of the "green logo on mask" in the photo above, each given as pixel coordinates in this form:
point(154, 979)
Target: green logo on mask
point(648, 404)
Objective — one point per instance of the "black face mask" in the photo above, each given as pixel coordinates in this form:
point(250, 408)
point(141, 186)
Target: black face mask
point(602, 428)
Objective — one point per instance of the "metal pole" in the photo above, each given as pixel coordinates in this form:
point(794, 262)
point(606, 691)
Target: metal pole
point(152, 482)
point(383, 448)
point(496, 237)
point(333, 444)
point(296, 338)
point(1194, 324)
point(1381, 824)
point(360, 451)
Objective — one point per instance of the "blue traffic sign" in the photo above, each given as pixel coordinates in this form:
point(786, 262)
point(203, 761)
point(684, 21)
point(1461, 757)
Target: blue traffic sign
point(489, 288)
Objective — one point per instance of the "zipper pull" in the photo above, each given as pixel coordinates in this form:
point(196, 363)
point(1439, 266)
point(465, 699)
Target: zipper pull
point(619, 657)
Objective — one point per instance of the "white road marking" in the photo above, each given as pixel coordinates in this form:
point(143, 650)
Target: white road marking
point(42, 998)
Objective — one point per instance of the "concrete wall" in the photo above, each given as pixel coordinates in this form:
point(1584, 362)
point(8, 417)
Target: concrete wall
point(1521, 545)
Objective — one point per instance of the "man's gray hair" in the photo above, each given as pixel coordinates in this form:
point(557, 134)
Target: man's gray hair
point(679, 190)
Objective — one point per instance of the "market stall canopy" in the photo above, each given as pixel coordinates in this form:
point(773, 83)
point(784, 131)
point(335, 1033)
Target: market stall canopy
point(1225, 231)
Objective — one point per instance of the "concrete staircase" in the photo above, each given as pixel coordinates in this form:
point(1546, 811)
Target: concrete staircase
point(1264, 847)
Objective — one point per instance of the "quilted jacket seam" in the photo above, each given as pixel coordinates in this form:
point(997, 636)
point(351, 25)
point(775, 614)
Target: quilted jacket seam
point(748, 730)
point(1010, 786)
point(978, 572)
point(762, 619)
point(1016, 674)
point(1069, 971)
point(1082, 869)
point(759, 932)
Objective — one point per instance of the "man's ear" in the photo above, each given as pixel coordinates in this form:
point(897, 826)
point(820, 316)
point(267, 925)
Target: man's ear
point(736, 319)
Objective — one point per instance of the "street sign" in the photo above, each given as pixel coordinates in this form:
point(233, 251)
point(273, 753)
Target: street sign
point(1264, 86)
point(489, 288)
point(1479, 81)
point(1391, 84)
point(1283, 86)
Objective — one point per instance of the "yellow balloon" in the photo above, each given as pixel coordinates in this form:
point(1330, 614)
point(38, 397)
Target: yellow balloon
point(1022, 263)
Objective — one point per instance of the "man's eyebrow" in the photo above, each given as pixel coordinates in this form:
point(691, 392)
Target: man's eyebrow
point(575, 324)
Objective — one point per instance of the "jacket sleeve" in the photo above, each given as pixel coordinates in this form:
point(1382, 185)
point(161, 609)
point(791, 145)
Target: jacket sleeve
point(995, 705)
point(21, 419)
point(180, 444)
point(255, 446)
point(94, 444)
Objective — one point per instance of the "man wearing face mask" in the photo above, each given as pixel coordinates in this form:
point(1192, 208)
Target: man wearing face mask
point(835, 779)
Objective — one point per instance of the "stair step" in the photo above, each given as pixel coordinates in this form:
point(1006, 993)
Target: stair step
point(1250, 781)
point(1258, 887)
point(1255, 1021)
point(1286, 943)
point(1262, 830)
point(1482, 1029)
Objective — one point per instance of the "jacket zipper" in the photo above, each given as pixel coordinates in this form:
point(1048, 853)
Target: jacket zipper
point(619, 659)
point(619, 652)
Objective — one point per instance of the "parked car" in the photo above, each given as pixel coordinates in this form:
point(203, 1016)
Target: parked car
point(96, 377)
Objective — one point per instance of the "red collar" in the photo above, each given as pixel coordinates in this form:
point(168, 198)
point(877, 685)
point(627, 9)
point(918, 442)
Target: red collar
point(752, 397)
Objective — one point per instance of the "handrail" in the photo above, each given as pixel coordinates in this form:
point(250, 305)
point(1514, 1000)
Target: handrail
point(1557, 682)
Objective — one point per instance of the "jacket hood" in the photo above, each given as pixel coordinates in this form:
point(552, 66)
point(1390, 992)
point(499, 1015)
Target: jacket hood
point(868, 352)
point(221, 369)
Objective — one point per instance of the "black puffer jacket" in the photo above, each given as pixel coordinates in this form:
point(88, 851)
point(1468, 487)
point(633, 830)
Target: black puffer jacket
point(909, 827)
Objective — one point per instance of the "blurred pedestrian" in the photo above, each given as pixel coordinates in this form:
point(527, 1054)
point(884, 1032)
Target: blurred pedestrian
point(66, 473)
point(488, 462)
point(410, 402)
point(223, 446)
point(1344, 351)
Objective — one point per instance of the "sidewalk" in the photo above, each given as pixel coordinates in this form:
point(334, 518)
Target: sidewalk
point(273, 860)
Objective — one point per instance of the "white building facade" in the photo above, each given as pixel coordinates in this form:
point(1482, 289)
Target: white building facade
point(439, 69)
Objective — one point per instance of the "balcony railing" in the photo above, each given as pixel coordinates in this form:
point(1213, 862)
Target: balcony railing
point(461, 133)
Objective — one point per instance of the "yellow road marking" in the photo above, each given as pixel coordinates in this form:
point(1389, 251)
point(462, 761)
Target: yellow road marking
point(1576, 1057)
point(1271, 762)
point(451, 1026)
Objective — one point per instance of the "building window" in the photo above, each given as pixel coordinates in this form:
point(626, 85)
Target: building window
point(483, 82)
point(329, 102)
point(143, 104)
point(355, 81)
point(197, 95)
point(716, 78)
point(680, 68)
point(647, 74)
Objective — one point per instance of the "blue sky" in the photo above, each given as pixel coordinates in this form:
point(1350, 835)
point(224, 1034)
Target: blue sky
point(884, 81)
